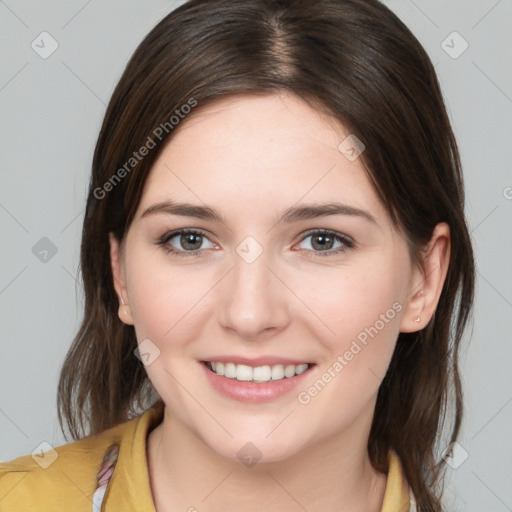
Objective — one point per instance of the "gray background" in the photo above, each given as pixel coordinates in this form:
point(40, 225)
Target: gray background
point(51, 113)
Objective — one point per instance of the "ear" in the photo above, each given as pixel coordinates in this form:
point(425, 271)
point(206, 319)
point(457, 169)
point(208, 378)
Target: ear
point(427, 281)
point(118, 273)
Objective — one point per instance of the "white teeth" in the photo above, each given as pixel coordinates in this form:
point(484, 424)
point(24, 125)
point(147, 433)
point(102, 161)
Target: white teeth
point(289, 371)
point(277, 372)
point(262, 373)
point(266, 373)
point(230, 370)
point(243, 372)
point(301, 368)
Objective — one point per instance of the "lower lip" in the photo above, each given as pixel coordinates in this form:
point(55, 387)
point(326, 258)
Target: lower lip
point(253, 392)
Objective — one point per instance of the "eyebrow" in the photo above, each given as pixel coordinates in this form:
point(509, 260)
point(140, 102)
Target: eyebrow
point(313, 211)
point(184, 209)
point(292, 214)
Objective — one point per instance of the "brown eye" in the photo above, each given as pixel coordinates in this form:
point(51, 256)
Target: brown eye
point(324, 243)
point(186, 242)
point(190, 241)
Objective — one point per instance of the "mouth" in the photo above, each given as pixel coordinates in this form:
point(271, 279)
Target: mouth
point(253, 381)
point(257, 374)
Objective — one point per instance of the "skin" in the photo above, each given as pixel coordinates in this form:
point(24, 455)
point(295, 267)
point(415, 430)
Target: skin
point(251, 158)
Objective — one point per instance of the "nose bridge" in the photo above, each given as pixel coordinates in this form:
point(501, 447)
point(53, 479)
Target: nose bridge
point(252, 301)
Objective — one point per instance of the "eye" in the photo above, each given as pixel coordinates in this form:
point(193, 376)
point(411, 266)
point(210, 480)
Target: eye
point(326, 243)
point(186, 242)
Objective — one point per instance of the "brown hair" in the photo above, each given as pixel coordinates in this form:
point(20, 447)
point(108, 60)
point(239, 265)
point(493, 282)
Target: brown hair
point(353, 59)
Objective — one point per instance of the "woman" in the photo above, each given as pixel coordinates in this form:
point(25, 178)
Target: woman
point(277, 272)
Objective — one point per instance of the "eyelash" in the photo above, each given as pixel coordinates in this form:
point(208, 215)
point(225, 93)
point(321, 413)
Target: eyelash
point(347, 242)
point(164, 240)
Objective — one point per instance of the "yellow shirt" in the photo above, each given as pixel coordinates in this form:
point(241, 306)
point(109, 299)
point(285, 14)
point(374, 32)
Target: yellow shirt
point(67, 483)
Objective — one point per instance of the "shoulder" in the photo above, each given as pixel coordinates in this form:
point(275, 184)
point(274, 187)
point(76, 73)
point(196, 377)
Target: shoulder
point(62, 478)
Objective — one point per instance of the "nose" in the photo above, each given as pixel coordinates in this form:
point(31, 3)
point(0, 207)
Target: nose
point(253, 302)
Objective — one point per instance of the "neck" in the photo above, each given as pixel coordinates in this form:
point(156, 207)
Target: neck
point(185, 474)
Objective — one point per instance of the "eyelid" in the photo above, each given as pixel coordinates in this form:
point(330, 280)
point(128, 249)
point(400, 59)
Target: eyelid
point(184, 231)
point(335, 234)
point(342, 236)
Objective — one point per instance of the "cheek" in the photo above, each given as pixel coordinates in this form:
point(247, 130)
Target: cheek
point(164, 300)
point(358, 300)
point(362, 311)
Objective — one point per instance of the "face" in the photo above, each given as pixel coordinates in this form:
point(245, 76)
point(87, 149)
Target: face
point(288, 259)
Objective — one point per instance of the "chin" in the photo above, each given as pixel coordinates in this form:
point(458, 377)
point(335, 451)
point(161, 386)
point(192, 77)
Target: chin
point(256, 448)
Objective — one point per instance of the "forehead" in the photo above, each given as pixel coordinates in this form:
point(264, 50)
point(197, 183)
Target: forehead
point(255, 150)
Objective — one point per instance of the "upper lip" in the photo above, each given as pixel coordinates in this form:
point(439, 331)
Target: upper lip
point(257, 361)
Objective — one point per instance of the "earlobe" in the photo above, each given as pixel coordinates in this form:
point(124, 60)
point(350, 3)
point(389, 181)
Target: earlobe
point(427, 282)
point(124, 311)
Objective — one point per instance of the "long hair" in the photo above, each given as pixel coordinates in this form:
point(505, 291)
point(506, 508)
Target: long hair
point(353, 59)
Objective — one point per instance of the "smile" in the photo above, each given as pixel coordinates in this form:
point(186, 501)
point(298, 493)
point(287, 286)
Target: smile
point(258, 374)
point(255, 380)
